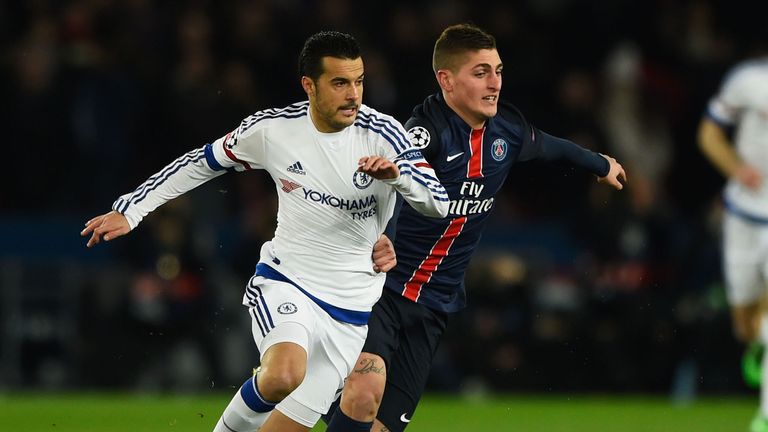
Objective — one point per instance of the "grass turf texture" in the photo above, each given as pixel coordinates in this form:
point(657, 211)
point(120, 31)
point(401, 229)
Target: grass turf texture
point(118, 413)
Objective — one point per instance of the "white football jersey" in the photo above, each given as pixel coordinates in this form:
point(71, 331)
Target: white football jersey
point(743, 102)
point(329, 214)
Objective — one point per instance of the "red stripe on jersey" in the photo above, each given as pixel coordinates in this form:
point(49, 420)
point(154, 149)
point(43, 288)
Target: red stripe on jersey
point(423, 165)
point(424, 272)
point(232, 155)
point(475, 167)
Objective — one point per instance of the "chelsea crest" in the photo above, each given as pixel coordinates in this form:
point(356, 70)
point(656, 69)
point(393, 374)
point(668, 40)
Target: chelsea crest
point(361, 180)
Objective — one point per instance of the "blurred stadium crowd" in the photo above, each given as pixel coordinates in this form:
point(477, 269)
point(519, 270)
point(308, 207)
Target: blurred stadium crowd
point(576, 288)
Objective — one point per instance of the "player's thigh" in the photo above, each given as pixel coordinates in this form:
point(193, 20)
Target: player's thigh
point(384, 327)
point(745, 261)
point(272, 305)
point(367, 380)
point(332, 355)
point(409, 369)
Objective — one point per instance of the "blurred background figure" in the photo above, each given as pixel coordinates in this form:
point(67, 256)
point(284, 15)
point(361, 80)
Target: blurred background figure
point(734, 136)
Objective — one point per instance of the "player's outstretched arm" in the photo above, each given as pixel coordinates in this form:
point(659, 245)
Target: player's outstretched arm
point(378, 167)
point(384, 258)
point(616, 175)
point(108, 226)
point(551, 148)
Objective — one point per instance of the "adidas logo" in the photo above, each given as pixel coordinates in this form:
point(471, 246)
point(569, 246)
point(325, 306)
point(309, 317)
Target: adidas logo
point(296, 168)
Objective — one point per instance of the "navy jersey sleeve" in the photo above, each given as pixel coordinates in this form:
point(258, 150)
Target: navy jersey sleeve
point(543, 146)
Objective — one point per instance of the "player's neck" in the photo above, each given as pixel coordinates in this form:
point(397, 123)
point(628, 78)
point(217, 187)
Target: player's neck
point(471, 121)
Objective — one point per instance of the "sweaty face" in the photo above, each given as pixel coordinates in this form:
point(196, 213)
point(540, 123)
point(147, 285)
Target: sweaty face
point(474, 93)
point(336, 95)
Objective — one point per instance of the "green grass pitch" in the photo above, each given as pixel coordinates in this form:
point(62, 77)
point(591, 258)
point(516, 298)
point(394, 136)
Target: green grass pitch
point(558, 413)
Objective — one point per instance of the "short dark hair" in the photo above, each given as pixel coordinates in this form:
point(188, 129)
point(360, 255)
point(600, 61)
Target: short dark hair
point(326, 44)
point(457, 40)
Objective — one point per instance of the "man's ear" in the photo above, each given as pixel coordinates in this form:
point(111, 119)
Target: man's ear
point(445, 79)
point(308, 85)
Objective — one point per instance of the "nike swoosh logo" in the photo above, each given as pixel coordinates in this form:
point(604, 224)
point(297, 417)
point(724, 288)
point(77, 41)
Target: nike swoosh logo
point(403, 418)
point(452, 157)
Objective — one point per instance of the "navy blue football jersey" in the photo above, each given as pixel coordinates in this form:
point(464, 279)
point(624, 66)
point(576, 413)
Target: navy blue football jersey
point(472, 165)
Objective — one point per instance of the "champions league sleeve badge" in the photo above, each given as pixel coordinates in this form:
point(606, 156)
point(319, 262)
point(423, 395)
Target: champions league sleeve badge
point(419, 137)
point(231, 139)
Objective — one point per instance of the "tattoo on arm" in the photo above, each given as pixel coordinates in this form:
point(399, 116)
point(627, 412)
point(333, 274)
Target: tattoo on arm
point(369, 366)
point(384, 429)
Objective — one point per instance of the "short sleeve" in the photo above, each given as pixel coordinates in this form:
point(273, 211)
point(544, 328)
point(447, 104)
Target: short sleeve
point(726, 107)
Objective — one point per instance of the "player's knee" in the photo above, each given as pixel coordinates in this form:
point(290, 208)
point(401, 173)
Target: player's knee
point(746, 324)
point(744, 332)
point(361, 406)
point(362, 397)
point(277, 383)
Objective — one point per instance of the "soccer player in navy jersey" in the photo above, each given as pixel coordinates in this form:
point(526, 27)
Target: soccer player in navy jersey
point(472, 140)
point(338, 167)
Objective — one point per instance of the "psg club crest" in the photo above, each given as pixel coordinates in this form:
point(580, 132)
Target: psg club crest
point(419, 137)
point(361, 180)
point(499, 149)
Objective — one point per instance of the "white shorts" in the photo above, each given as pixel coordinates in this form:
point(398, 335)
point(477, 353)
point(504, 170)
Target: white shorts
point(332, 346)
point(745, 259)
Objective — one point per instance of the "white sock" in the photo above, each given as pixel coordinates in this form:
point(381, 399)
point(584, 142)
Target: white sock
point(238, 417)
point(763, 331)
point(764, 373)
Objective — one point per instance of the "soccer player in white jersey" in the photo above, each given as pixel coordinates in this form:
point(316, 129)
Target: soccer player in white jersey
point(742, 103)
point(337, 165)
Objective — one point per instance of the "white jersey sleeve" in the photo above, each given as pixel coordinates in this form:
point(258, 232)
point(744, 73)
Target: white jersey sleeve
point(417, 182)
point(239, 150)
point(734, 95)
point(242, 149)
point(183, 174)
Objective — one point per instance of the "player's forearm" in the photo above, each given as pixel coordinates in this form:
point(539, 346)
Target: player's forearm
point(717, 148)
point(554, 148)
point(178, 177)
point(421, 189)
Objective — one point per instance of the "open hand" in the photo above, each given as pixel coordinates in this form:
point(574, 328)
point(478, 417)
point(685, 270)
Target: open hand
point(110, 225)
point(615, 173)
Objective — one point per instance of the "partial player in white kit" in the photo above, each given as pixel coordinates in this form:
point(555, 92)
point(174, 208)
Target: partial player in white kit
point(742, 103)
point(337, 165)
